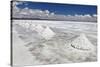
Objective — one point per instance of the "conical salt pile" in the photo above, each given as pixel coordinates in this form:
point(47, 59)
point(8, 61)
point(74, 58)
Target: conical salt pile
point(39, 28)
point(48, 33)
point(32, 27)
point(82, 43)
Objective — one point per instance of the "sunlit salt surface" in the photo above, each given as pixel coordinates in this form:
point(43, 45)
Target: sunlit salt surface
point(53, 42)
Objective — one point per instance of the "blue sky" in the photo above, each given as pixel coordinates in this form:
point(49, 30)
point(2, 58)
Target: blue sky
point(65, 9)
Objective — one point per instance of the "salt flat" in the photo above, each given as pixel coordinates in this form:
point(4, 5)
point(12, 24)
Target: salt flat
point(54, 42)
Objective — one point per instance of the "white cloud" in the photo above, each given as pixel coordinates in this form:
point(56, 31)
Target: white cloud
point(46, 14)
point(94, 15)
point(47, 11)
point(15, 3)
point(87, 15)
point(52, 13)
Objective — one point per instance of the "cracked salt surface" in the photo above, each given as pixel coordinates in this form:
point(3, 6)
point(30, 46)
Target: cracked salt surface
point(46, 42)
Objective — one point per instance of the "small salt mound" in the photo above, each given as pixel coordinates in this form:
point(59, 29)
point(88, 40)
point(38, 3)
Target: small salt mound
point(26, 25)
point(47, 33)
point(82, 43)
point(32, 27)
point(43, 31)
point(39, 28)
